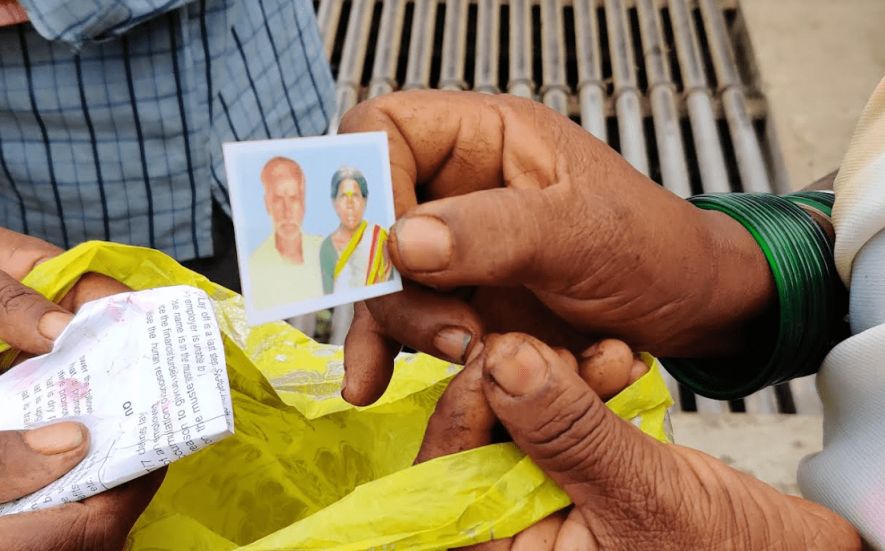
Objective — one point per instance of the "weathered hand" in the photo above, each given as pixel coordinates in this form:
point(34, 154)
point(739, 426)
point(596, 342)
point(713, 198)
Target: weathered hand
point(528, 223)
point(29, 322)
point(630, 492)
point(31, 459)
point(463, 419)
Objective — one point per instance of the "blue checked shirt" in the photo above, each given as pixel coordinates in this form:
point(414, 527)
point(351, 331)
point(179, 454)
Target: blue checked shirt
point(112, 112)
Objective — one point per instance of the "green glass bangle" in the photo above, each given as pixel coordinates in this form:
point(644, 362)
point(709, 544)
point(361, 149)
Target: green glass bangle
point(821, 200)
point(811, 299)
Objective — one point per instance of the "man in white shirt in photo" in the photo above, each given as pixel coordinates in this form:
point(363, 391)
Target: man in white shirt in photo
point(285, 268)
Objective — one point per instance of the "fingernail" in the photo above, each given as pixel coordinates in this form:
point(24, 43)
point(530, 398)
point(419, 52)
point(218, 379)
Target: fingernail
point(53, 323)
point(452, 342)
point(54, 439)
point(521, 374)
point(424, 243)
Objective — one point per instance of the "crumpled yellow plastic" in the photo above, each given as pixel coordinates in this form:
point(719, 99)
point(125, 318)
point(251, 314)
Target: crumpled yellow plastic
point(308, 471)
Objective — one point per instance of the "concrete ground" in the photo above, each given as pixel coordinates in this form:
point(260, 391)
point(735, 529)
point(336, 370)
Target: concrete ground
point(819, 61)
point(768, 447)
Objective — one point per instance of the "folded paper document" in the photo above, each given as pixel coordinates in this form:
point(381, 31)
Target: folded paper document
point(144, 371)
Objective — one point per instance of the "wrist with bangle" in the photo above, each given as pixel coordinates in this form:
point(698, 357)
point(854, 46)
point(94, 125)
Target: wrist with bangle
point(812, 302)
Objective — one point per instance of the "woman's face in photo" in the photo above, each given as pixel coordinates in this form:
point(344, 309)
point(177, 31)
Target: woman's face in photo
point(350, 204)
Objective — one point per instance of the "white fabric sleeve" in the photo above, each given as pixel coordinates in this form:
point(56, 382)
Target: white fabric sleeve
point(848, 476)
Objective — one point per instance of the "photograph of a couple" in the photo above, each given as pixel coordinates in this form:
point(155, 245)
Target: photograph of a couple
point(311, 218)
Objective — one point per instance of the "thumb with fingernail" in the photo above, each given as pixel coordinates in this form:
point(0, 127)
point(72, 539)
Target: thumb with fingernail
point(31, 459)
point(550, 411)
point(610, 470)
point(28, 321)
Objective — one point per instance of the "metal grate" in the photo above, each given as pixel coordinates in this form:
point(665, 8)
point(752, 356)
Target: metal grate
point(670, 84)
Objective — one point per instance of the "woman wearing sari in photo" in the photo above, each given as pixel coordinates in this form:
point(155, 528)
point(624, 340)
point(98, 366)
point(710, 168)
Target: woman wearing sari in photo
point(355, 254)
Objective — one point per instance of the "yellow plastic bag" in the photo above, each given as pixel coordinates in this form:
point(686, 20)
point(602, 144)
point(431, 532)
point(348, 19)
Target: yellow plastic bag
point(308, 471)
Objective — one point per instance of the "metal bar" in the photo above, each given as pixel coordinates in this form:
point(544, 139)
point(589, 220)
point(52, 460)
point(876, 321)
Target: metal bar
point(554, 88)
point(651, 33)
point(632, 134)
point(805, 396)
point(720, 50)
point(454, 46)
point(591, 91)
point(781, 182)
point(762, 402)
point(751, 165)
point(327, 21)
point(668, 134)
point(387, 49)
point(488, 29)
point(711, 162)
point(421, 45)
point(592, 99)
point(620, 46)
point(630, 130)
point(706, 405)
point(352, 59)
point(757, 108)
point(520, 83)
point(724, 4)
point(346, 97)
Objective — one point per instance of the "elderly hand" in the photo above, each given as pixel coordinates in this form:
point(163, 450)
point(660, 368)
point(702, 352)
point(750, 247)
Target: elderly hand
point(528, 223)
point(29, 460)
point(630, 492)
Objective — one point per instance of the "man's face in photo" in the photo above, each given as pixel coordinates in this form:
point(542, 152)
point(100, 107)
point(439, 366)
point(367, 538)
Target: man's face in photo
point(284, 200)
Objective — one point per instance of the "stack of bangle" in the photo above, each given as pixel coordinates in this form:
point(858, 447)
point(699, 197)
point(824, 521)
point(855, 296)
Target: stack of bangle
point(811, 298)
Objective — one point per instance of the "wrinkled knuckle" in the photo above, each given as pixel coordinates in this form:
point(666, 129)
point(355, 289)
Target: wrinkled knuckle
point(569, 438)
point(15, 297)
point(77, 535)
point(82, 532)
point(100, 531)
